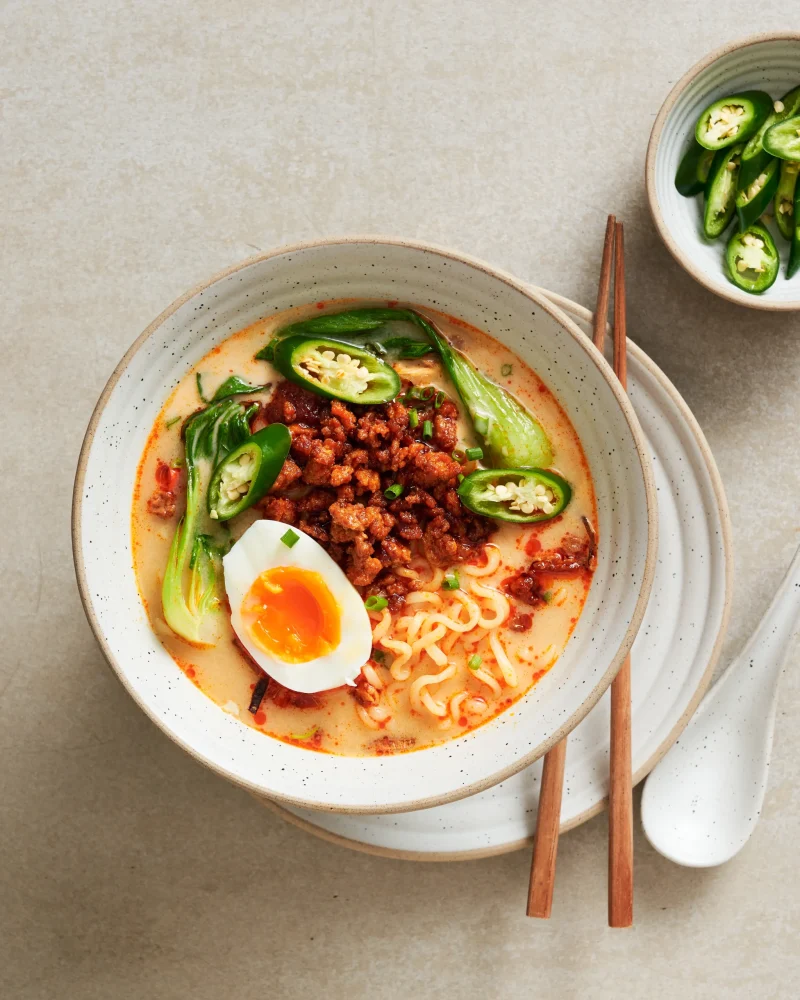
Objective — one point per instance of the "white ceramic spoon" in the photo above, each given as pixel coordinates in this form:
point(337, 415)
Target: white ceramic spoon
point(703, 800)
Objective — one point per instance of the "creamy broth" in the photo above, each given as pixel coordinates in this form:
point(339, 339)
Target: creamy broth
point(405, 717)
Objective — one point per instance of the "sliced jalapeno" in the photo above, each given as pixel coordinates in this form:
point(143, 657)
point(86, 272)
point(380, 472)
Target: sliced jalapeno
point(244, 476)
point(694, 170)
point(755, 157)
point(522, 495)
point(721, 191)
point(794, 254)
point(752, 259)
point(783, 139)
point(751, 202)
point(784, 198)
point(336, 370)
point(732, 119)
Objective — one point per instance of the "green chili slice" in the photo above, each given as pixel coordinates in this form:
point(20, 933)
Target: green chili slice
point(732, 119)
point(794, 255)
point(521, 495)
point(784, 198)
point(783, 139)
point(752, 259)
point(694, 169)
point(451, 581)
point(245, 474)
point(336, 370)
point(754, 156)
point(752, 201)
point(721, 191)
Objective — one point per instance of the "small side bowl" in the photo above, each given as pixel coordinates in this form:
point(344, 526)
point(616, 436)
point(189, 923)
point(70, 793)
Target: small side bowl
point(366, 268)
point(768, 62)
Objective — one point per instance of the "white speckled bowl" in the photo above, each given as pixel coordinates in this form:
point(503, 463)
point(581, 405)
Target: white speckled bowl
point(410, 272)
point(768, 62)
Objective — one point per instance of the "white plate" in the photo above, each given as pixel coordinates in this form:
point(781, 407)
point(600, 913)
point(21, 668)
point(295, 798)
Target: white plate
point(673, 656)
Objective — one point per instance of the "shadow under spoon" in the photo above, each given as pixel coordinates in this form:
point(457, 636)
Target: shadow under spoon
point(703, 800)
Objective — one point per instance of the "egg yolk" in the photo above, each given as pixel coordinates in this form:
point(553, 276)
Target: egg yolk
point(291, 614)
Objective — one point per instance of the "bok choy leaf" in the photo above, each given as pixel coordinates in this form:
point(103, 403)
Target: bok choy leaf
point(189, 589)
point(511, 435)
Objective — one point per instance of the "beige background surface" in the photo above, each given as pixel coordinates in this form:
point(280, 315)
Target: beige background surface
point(142, 147)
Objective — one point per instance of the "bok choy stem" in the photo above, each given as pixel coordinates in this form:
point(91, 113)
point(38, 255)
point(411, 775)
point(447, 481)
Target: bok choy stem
point(208, 436)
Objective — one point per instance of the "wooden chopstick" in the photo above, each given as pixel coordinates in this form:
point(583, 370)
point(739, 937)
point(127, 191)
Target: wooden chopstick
point(548, 815)
point(620, 797)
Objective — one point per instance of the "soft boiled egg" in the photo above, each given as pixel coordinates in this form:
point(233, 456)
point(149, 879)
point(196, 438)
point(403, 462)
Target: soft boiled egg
point(294, 610)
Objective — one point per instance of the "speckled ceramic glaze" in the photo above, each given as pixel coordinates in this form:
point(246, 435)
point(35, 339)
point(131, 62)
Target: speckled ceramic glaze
point(371, 269)
point(673, 657)
point(703, 801)
point(768, 62)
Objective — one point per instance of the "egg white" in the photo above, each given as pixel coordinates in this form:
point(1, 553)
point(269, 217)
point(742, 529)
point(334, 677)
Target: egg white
point(259, 549)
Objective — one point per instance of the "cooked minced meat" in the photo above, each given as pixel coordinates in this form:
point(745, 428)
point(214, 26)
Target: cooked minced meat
point(341, 461)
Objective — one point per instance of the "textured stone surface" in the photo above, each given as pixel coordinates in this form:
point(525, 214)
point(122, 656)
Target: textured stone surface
point(144, 146)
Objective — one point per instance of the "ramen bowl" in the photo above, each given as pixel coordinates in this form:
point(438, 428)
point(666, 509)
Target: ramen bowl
point(366, 269)
point(762, 62)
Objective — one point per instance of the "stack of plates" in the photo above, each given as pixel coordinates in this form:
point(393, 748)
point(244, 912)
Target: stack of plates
point(672, 661)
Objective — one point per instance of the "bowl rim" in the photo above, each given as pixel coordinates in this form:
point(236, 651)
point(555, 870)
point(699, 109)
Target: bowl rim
point(753, 301)
point(621, 397)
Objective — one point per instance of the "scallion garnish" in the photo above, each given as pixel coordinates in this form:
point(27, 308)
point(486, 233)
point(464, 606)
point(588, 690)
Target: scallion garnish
point(427, 430)
point(460, 478)
point(171, 422)
point(413, 418)
point(378, 656)
point(451, 581)
point(375, 603)
point(474, 454)
point(440, 398)
point(393, 492)
point(547, 596)
point(474, 661)
point(290, 538)
point(506, 370)
point(458, 456)
point(426, 393)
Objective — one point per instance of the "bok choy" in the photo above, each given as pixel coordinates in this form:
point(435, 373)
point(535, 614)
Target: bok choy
point(511, 436)
point(189, 590)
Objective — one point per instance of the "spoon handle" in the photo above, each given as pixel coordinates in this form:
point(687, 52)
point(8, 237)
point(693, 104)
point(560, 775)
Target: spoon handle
point(766, 649)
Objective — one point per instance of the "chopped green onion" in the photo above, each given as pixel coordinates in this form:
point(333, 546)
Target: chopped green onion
point(413, 418)
point(440, 398)
point(375, 603)
point(474, 661)
point(451, 581)
point(378, 656)
point(460, 478)
point(307, 735)
point(171, 422)
point(474, 454)
point(547, 596)
point(458, 456)
point(393, 492)
point(290, 538)
point(506, 369)
point(426, 393)
point(427, 430)
point(199, 379)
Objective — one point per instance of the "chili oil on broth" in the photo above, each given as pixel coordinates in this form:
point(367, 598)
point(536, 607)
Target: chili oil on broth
point(407, 716)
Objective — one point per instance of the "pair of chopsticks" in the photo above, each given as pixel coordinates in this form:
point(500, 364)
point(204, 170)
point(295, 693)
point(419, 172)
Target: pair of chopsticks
point(620, 801)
